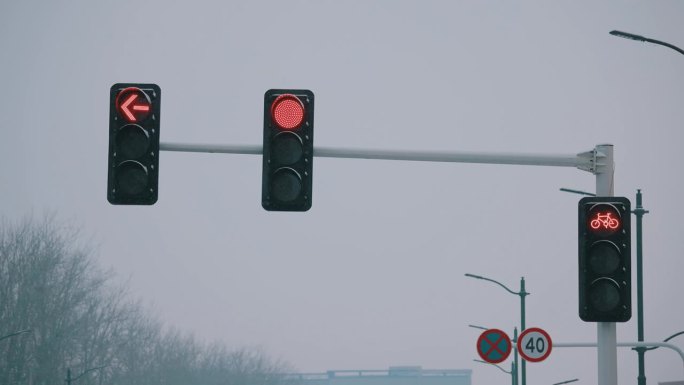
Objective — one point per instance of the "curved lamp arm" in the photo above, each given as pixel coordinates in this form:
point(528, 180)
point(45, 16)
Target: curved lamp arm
point(665, 340)
point(489, 363)
point(631, 36)
point(496, 282)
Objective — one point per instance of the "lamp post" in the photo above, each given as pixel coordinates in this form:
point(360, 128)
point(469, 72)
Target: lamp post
point(666, 339)
point(566, 382)
point(641, 351)
point(631, 36)
point(639, 212)
point(511, 372)
point(522, 294)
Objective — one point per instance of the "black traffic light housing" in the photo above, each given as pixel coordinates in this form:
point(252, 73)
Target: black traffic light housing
point(133, 176)
point(605, 275)
point(288, 150)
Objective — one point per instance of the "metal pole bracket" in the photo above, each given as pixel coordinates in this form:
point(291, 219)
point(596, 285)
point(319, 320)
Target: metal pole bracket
point(591, 161)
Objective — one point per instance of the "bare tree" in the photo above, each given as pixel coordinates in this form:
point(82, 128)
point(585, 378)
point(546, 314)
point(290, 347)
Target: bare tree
point(52, 287)
point(81, 321)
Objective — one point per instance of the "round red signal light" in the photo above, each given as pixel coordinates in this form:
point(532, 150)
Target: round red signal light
point(287, 111)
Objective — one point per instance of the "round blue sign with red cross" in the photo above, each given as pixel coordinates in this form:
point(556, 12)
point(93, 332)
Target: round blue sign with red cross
point(494, 346)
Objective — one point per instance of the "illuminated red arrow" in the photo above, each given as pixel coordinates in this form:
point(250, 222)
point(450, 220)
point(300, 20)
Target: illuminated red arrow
point(135, 107)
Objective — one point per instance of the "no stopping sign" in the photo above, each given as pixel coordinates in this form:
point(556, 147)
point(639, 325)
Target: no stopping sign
point(534, 345)
point(493, 346)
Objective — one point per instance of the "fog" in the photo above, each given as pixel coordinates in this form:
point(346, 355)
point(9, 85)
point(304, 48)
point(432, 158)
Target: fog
point(373, 275)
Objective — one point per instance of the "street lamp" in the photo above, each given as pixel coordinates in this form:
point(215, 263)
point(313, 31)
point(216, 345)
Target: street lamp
point(631, 36)
point(511, 372)
point(665, 340)
point(566, 382)
point(580, 192)
point(639, 212)
point(522, 294)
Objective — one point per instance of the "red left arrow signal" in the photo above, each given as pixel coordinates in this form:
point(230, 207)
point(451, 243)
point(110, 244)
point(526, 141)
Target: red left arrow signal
point(133, 104)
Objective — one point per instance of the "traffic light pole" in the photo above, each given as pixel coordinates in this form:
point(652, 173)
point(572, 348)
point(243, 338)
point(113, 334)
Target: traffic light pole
point(606, 331)
point(598, 161)
point(639, 211)
point(585, 161)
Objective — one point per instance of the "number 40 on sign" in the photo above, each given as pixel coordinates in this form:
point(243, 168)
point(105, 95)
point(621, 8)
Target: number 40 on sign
point(534, 345)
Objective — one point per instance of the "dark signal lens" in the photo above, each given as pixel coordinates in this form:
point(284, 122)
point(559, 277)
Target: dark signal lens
point(132, 141)
point(287, 148)
point(604, 295)
point(604, 258)
point(286, 185)
point(287, 111)
point(131, 178)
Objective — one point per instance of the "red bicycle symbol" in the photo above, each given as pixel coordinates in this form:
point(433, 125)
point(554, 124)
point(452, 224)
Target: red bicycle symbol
point(604, 220)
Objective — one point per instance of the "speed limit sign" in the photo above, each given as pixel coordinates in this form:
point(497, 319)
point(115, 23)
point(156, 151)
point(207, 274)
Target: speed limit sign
point(534, 345)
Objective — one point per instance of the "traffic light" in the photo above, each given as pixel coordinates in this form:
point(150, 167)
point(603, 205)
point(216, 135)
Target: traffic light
point(605, 293)
point(288, 150)
point(133, 144)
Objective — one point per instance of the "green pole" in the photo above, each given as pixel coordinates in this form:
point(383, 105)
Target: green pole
point(514, 373)
point(522, 294)
point(641, 351)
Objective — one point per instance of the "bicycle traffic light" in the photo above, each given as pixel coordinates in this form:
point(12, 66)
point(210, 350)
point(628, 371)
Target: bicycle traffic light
point(288, 150)
point(133, 144)
point(605, 293)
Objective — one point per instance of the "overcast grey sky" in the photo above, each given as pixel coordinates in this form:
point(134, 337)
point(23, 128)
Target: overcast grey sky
point(373, 274)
